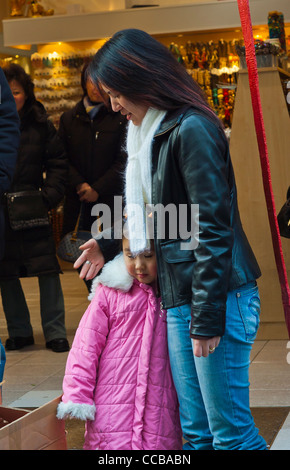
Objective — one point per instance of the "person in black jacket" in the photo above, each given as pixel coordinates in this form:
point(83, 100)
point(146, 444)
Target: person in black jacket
point(93, 136)
point(30, 252)
point(179, 160)
point(9, 141)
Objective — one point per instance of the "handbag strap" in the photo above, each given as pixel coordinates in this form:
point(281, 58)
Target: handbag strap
point(76, 229)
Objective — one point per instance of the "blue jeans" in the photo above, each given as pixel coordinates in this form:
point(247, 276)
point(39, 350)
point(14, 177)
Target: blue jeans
point(213, 391)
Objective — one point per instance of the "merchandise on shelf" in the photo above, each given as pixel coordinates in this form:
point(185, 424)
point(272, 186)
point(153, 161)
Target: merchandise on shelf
point(277, 28)
point(36, 9)
point(214, 66)
point(16, 7)
point(57, 80)
point(28, 8)
point(266, 52)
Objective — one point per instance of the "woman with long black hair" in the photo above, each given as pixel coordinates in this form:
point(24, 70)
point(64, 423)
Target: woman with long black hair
point(178, 154)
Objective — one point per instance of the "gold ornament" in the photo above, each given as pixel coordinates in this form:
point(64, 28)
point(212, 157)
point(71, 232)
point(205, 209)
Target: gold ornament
point(37, 10)
point(16, 7)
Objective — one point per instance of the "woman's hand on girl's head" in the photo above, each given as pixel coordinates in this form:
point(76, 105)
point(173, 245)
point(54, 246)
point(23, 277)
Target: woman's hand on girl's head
point(92, 259)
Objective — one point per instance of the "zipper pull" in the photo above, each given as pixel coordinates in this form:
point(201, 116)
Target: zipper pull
point(97, 135)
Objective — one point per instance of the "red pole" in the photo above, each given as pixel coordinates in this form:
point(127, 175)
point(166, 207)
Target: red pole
point(246, 23)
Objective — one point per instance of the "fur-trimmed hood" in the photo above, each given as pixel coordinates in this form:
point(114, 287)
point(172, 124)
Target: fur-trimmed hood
point(115, 275)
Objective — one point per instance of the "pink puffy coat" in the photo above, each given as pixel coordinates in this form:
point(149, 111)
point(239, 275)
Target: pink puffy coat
point(118, 375)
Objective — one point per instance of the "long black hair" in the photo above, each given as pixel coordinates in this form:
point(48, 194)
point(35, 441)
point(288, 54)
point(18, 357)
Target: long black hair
point(142, 69)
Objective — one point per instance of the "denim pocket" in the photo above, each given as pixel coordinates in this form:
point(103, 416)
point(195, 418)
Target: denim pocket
point(249, 308)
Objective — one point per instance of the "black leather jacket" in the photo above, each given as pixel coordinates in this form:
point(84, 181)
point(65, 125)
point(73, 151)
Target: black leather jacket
point(191, 165)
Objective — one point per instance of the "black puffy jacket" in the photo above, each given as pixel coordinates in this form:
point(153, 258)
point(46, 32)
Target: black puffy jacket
point(31, 252)
point(9, 141)
point(94, 150)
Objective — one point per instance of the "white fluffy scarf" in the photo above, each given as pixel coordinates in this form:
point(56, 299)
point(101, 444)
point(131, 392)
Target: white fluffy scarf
point(139, 177)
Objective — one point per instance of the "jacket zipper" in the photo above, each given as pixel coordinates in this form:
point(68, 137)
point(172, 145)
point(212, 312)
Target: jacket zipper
point(168, 129)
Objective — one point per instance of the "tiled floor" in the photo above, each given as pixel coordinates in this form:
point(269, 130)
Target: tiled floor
point(33, 376)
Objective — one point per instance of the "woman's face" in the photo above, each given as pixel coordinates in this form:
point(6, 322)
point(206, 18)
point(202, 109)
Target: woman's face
point(18, 93)
point(134, 112)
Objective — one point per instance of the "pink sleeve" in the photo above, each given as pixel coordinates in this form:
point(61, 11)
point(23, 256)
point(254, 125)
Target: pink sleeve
point(83, 359)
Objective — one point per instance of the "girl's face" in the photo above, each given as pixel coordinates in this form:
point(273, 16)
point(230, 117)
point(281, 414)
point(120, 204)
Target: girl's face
point(134, 112)
point(142, 267)
point(18, 93)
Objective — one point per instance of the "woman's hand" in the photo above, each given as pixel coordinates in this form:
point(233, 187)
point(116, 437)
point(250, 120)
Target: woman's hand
point(86, 193)
point(204, 347)
point(92, 259)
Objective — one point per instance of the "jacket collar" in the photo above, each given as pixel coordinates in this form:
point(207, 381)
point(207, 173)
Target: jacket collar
point(171, 120)
point(80, 111)
point(115, 275)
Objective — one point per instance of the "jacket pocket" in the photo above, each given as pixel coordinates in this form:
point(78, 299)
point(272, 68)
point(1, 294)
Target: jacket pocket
point(173, 251)
point(178, 264)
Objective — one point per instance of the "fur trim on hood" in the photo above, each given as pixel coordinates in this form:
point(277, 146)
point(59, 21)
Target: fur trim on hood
point(115, 275)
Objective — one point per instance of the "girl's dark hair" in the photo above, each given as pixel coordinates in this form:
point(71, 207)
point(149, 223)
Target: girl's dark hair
point(142, 69)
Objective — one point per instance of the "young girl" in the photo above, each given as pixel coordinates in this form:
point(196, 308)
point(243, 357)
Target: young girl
point(118, 375)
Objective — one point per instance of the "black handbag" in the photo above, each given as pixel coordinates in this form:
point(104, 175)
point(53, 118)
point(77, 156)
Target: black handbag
point(284, 217)
point(26, 209)
point(68, 248)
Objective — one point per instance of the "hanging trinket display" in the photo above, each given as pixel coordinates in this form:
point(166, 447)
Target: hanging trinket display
point(266, 52)
point(214, 66)
point(277, 28)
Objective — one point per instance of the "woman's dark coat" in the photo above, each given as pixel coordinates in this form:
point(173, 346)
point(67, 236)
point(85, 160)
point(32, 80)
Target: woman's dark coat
point(9, 141)
point(191, 164)
point(95, 153)
point(41, 164)
point(196, 151)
